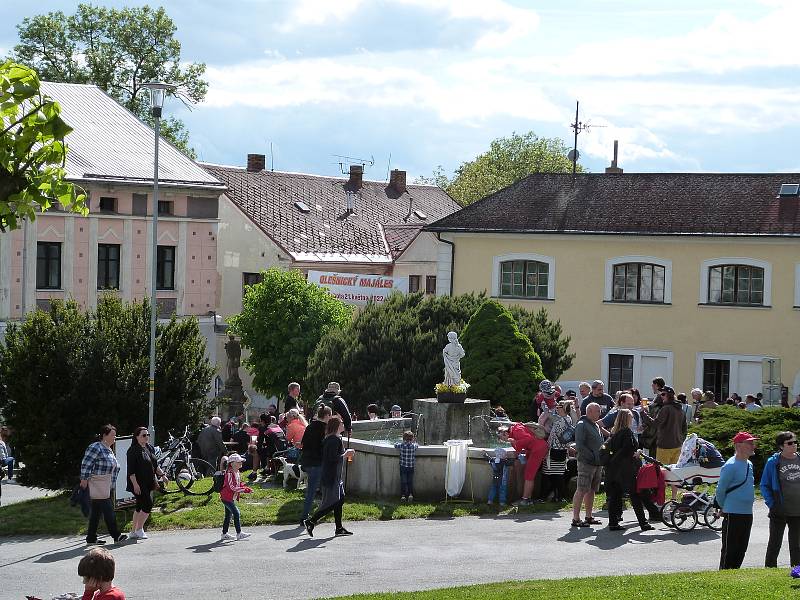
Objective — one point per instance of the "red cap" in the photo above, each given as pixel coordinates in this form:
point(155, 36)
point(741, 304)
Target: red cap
point(743, 436)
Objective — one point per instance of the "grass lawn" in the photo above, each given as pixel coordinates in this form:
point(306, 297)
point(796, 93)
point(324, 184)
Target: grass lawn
point(764, 584)
point(265, 506)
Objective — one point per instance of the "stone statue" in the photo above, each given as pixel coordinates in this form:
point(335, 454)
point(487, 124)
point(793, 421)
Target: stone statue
point(234, 351)
point(452, 353)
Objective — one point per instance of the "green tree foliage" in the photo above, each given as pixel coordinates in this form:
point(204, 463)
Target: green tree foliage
point(500, 363)
point(282, 320)
point(719, 425)
point(116, 49)
point(392, 352)
point(66, 372)
point(508, 160)
point(548, 340)
point(32, 150)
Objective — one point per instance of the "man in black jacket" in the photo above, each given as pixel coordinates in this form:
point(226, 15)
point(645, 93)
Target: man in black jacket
point(311, 456)
point(292, 399)
point(331, 397)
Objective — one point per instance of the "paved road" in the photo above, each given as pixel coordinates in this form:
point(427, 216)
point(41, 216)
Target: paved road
point(381, 556)
point(13, 492)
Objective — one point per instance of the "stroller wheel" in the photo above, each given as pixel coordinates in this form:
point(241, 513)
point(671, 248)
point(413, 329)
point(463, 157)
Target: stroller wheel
point(713, 518)
point(666, 513)
point(684, 517)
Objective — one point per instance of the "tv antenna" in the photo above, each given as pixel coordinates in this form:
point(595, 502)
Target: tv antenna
point(348, 160)
point(578, 127)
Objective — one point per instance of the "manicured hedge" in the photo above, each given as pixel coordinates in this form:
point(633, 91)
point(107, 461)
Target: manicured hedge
point(720, 424)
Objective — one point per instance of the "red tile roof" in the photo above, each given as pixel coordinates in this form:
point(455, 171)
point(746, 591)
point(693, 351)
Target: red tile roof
point(378, 230)
point(636, 203)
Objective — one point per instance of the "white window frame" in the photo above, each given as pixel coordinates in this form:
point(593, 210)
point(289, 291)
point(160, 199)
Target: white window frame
point(637, 353)
point(735, 260)
point(608, 293)
point(550, 261)
point(733, 373)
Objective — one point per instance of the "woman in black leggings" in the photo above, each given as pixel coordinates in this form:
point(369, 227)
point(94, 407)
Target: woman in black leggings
point(333, 455)
point(142, 471)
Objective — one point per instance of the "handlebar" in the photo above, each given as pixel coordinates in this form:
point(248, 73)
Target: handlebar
point(650, 459)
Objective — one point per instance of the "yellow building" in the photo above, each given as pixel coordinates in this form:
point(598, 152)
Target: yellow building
point(692, 277)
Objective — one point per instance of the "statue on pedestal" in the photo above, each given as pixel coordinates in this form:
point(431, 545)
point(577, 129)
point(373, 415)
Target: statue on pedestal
point(233, 397)
point(453, 353)
point(234, 351)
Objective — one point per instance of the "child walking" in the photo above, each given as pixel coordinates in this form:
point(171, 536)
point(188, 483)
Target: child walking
point(408, 456)
point(97, 569)
point(229, 494)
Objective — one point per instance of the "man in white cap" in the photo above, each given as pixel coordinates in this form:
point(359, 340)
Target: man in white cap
point(396, 411)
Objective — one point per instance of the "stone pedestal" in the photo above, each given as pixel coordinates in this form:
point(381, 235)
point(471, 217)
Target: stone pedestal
point(231, 400)
point(440, 422)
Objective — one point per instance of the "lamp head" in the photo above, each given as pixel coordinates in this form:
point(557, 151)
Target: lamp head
point(158, 91)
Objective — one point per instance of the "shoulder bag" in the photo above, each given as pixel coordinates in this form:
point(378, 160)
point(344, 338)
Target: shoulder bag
point(100, 487)
point(732, 488)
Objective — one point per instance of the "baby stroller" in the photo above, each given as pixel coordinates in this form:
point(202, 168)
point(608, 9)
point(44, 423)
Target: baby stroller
point(684, 515)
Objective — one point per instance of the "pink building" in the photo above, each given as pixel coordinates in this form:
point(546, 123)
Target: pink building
point(68, 256)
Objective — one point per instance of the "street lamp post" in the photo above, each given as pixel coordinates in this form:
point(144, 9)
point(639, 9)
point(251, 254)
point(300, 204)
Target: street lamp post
point(158, 92)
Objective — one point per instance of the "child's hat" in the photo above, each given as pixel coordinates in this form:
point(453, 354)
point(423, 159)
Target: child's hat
point(235, 458)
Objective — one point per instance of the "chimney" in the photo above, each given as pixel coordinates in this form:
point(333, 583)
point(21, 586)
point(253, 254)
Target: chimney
point(397, 180)
point(356, 175)
point(614, 168)
point(256, 162)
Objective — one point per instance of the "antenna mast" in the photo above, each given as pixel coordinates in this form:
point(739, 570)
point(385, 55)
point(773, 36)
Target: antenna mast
point(578, 127)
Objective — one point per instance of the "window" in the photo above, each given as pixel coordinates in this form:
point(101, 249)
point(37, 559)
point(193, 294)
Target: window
point(430, 284)
point(139, 207)
point(108, 267)
point(620, 372)
point(108, 204)
point(524, 279)
point(164, 207)
point(250, 279)
point(716, 377)
point(48, 265)
point(165, 268)
point(736, 284)
point(413, 283)
point(639, 282)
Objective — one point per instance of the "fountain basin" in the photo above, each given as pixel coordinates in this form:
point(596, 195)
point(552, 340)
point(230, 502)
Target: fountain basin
point(442, 421)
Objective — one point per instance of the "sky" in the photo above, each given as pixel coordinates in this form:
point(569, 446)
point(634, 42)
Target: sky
point(685, 85)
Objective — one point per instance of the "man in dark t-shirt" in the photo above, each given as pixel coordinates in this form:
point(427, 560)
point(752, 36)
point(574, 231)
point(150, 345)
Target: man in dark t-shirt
point(599, 396)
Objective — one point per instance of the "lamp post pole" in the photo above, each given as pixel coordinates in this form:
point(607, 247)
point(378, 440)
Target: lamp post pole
point(157, 94)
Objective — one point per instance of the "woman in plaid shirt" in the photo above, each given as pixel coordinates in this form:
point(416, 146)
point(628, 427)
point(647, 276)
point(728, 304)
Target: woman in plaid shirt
point(99, 463)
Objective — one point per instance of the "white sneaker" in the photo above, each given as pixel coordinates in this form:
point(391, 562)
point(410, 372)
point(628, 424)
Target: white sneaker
point(141, 534)
point(227, 536)
point(242, 536)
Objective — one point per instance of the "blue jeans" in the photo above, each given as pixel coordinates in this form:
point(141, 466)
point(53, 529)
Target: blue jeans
point(231, 510)
point(9, 464)
point(104, 508)
point(314, 479)
point(499, 483)
point(406, 481)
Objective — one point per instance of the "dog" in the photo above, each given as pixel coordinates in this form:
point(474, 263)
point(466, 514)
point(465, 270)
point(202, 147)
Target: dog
point(292, 471)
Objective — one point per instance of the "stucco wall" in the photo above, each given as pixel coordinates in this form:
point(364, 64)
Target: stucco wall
point(685, 328)
point(420, 258)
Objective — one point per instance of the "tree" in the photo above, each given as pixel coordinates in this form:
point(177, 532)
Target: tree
point(500, 363)
point(508, 160)
point(116, 49)
point(32, 150)
point(392, 352)
point(66, 372)
point(282, 320)
point(547, 340)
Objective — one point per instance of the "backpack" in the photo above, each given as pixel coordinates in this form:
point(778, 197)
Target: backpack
point(219, 481)
point(567, 436)
point(605, 455)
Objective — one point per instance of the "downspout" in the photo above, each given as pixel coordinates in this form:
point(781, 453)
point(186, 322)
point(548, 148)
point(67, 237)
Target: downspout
point(452, 258)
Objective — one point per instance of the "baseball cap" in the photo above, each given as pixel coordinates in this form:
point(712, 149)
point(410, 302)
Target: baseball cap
point(235, 458)
point(667, 390)
point(743, 436)
point(396, 407)
point(547, 387)
point(572, 394)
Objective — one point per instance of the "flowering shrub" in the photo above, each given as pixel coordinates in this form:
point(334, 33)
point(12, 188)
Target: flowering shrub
point(461, 388)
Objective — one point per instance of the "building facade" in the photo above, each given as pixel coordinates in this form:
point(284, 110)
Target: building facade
point(692, 277)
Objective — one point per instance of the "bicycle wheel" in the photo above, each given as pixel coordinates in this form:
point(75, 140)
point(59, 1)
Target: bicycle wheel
point(195, 478)
point(666, 513)
point(713, 517)
point(684, 517)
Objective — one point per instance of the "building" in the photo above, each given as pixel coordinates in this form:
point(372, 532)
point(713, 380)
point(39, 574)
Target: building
point(336, 224)
point(68, 256)
point(693, 277)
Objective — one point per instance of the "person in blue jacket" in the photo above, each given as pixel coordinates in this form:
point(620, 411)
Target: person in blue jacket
point(736, 494)
point(780, 486)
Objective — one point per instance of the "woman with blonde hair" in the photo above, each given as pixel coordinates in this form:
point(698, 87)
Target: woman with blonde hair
point(621, 472)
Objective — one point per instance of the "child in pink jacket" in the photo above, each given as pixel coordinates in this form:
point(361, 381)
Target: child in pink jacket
point(231, 488)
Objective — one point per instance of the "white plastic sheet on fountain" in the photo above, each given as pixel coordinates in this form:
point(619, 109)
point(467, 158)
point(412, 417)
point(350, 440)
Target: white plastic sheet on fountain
point(456, 466)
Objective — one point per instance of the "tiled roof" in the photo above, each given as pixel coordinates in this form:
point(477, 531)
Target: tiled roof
point(377, 232)
point(108, 143)
point(636, 203)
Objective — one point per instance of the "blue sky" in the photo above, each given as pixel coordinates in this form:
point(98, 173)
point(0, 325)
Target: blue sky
point(684, 85)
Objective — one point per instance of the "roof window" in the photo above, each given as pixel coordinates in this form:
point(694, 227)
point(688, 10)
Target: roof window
point(302, 207)
point(789, 189)
point(420, 214)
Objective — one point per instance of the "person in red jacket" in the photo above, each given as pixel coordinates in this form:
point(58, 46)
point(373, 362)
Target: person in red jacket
point(530, 450)
point(231, 488)
point(97, 569)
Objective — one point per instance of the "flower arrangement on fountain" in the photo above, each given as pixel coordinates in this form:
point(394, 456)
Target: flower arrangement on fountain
point(459, 388)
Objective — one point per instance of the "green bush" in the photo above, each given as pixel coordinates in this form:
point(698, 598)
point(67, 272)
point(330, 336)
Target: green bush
point(719, 425)
point(548, 340)
point(500, 363)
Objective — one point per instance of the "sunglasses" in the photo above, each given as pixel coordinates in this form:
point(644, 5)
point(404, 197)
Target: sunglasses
point(663, 394)
point(144, 435)
point(791, 443)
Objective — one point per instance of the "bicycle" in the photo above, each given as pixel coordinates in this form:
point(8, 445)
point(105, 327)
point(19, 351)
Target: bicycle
point(193, 476)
